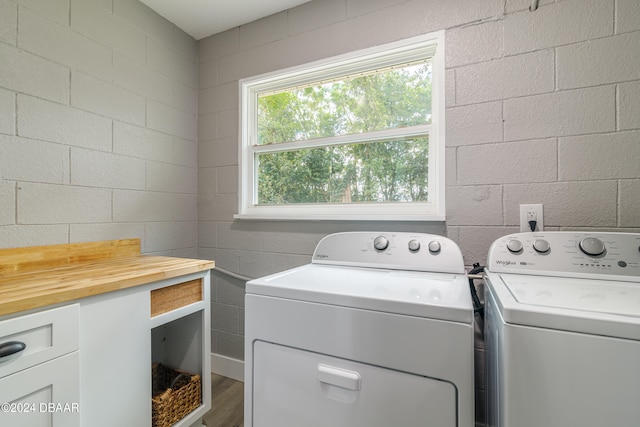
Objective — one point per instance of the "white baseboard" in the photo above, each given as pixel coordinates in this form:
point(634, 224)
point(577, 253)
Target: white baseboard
point(227, 367)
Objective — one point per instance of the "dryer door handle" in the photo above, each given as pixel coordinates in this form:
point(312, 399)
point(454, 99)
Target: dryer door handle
point(339, 377)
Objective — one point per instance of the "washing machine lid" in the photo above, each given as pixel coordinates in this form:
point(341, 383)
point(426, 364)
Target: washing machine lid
point(602, 307)
point(439, 296)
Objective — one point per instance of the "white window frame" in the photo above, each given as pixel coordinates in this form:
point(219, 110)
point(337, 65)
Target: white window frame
point(408, 50)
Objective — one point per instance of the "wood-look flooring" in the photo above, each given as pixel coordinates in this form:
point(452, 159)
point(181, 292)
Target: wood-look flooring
point(227, 403)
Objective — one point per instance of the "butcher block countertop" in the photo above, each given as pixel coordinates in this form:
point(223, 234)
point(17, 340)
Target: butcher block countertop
point(39, 276)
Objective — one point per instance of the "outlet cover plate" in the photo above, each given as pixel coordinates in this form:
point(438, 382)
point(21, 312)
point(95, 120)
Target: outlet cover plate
point(529, 211)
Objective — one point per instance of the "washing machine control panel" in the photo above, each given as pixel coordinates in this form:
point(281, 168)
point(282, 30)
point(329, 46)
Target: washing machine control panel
point(572, 254)
point(398, 251)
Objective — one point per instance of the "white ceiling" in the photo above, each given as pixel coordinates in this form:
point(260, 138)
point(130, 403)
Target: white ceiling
point(202, 18)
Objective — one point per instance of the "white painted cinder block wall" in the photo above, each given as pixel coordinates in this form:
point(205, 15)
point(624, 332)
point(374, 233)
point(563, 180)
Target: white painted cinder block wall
point(542, 107)
point(98, 125)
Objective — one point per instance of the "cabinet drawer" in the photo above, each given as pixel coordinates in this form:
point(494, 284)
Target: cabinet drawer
point(45, 395)
point(164, 300)
point(46, 334)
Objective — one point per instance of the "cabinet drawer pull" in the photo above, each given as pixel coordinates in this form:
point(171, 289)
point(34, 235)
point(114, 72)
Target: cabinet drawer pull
point(10, 350)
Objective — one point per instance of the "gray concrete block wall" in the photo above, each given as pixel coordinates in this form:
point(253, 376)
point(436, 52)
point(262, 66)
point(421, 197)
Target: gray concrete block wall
point(114, 123)
point(542, 107)
point(98, 125)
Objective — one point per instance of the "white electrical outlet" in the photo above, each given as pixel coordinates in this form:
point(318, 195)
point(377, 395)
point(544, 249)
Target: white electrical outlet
point(531, 213)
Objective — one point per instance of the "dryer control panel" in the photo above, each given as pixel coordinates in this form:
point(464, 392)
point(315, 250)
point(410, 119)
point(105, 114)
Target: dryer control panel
point(389, 250)
point(565, 253)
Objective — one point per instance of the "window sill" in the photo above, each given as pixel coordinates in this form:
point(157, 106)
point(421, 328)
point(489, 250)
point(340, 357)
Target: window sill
point(359, 216)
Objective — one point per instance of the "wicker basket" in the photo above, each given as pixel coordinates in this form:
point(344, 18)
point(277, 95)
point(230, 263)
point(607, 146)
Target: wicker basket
point(175, 394)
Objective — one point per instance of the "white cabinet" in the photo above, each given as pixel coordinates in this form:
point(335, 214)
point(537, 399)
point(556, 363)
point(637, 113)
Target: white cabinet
point(81, 324)
point(89, 363)
point(120, 339)
point(180, 336)
point(39, 386)
point(115, 373)
point(43, 396)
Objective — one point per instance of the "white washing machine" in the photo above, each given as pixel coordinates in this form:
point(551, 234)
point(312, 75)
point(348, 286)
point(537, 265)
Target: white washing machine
point(562, 330)
point(377, 331)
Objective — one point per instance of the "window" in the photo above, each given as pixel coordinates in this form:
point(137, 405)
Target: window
point(360, 136)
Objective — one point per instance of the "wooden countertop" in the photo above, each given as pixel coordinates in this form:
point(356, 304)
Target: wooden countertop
point(55, 274)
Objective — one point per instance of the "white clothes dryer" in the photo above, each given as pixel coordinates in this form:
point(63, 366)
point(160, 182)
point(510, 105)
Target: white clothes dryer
point(562, 330)
point(376, 331)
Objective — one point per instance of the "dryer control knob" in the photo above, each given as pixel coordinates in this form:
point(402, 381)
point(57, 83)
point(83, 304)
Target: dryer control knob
point(514, 246)
point(592, 246)
point(414, 245)
point(541, 246)
point(381, 243)
point(434, 247)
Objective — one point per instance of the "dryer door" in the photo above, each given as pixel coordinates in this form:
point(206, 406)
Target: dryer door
point(293, 387)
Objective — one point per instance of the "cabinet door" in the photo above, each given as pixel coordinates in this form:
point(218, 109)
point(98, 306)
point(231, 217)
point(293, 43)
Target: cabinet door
point(115, 365)
point(46, 395)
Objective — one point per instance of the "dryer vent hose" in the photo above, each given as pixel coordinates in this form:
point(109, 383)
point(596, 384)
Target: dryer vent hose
point(478, 307)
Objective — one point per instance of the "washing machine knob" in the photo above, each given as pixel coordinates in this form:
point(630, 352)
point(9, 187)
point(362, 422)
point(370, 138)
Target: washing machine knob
point(434, 247)
point(381, 243)
point(541, 246)
point(414, 245)
point(592, 246)
point(514, 246)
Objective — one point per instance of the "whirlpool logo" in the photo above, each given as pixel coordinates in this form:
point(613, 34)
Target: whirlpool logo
point(505, 262)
